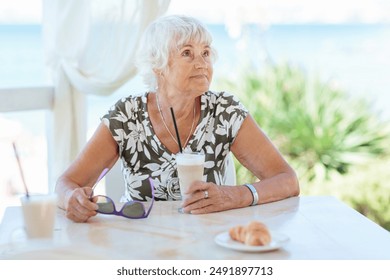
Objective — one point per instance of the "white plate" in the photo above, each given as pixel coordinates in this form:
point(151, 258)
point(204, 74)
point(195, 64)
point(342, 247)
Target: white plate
point(278, 240)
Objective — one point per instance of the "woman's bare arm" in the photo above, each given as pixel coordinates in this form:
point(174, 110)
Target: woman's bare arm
point(74, 185)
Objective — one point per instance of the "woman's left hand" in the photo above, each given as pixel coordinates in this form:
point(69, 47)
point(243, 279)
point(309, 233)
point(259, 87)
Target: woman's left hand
point(202, 198)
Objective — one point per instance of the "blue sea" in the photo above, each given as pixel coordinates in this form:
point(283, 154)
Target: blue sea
point(357, 57)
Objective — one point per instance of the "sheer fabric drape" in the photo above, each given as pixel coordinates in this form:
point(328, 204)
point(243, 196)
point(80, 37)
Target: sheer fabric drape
point(90, 48)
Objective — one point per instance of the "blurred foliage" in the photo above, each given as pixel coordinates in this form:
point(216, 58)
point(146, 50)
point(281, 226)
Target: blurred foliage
point(316, 126)
point(337, 144)
point(365, 188)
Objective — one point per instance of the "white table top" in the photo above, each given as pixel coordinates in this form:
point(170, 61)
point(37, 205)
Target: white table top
point(318, 227)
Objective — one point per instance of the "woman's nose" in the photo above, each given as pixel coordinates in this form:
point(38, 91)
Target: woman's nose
point(200, 62)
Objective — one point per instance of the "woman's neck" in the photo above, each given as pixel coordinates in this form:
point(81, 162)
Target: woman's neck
point(182, 103)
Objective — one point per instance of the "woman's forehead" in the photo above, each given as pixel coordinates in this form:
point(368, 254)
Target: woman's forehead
point(192, 44)
point(195, 38)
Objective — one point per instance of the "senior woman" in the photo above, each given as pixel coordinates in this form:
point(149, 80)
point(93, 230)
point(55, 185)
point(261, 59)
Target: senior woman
point(176, 60)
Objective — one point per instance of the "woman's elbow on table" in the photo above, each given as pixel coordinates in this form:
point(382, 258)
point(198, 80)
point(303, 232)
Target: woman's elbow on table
point(293, 184)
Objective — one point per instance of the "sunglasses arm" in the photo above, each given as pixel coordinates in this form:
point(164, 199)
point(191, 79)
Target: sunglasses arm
point(151, 205)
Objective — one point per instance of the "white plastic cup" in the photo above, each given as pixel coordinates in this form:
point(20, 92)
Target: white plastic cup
point(190, 168)
point(39, 214)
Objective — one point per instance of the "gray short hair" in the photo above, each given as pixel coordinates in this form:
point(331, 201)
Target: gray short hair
point(161, 37)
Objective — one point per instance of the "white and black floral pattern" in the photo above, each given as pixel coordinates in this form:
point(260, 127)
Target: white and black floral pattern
point(143, 154)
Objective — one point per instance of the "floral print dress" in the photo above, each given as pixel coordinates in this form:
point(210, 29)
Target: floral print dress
point(143, 155)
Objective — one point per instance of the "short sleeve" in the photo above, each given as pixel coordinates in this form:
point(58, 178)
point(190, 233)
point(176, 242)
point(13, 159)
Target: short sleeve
point(231, 113)
point(238, 114)
point(116, 120)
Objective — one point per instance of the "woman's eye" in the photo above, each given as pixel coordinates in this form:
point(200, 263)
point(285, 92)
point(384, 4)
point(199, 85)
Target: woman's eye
point(206, 53)
point(186, 53)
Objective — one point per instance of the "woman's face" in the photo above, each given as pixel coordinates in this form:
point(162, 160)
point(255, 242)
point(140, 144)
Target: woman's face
point(190, 69)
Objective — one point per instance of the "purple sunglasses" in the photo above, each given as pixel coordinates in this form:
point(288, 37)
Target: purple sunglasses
point(130, 210)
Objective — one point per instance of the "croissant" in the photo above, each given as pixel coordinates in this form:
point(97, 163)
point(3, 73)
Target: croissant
point(253, 234)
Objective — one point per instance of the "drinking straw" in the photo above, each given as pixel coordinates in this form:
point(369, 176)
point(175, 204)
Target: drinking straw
point(21, 170)
point(177, 131)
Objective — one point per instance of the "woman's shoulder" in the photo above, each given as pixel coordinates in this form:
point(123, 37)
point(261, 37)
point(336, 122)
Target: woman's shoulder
point(222, 97)
point(219, 94)
point(224, 102)
point(133, 101)
point(134, 97)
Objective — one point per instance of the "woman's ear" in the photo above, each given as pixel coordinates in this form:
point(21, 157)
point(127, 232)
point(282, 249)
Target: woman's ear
point(158, 72)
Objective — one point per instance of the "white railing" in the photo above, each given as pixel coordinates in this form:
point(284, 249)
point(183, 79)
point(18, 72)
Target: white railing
point(24, 99)
point(28, 99)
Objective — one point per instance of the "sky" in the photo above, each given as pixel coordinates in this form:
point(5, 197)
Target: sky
point(290, 11)
point(259, 11)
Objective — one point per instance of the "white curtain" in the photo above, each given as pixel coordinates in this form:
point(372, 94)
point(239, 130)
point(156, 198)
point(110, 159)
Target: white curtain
point(90, 48)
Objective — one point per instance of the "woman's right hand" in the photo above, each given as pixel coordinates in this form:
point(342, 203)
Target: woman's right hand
point(79, 207)
point(74, 185)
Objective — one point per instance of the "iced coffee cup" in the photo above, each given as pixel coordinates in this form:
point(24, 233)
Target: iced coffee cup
point(39, 212)
point(190, 167)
